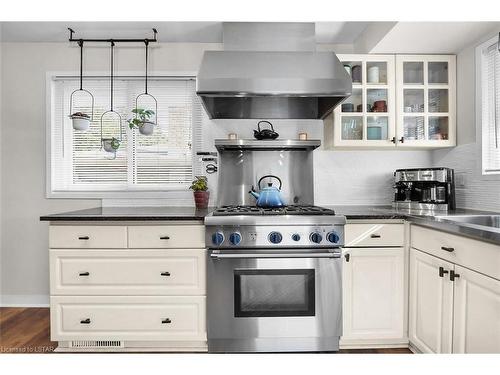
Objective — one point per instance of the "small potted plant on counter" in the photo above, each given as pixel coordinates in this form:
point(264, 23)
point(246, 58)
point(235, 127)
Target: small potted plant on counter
point(200, 192)
point(142, 121)
point(80, 120)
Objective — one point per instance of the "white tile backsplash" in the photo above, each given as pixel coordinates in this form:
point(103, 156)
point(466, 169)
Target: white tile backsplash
point(361, 177)
point(472, 189)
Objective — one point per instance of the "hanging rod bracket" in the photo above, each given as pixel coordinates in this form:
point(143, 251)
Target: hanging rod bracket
point(113, 40)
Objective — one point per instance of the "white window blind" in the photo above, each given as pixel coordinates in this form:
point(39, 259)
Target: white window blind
point(490, 84)
point(164, 161)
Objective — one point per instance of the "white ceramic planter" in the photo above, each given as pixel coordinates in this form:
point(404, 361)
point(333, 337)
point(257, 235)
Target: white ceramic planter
point(80, 123)
point(147, 128)
point(107, 145)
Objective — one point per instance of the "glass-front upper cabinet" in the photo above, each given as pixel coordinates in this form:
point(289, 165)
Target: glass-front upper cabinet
point(426, 90)
point(367, 117)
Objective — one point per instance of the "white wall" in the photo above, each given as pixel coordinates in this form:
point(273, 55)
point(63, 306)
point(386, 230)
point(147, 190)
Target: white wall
point(24, 271)
point(341, 177)
point(477, 191)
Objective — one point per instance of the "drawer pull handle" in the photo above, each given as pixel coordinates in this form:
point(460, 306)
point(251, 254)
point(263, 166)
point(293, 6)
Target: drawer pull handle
point(448, 249)
point(166, 321)
point(374, 235)
point(164, 238)
point(84, 274)
point(84, 238)
point(347, 257)
point(453, 275)
point(442, 272)
point(165, 273)
point(85, 321)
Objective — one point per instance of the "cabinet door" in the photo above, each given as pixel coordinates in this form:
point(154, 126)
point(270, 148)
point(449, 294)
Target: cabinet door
point(476, 323)
point(431, 303)
point(426, 91)
point(367, 117)
point(373, 294)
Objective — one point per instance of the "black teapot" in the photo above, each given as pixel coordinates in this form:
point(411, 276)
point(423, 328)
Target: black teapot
point(265, 133)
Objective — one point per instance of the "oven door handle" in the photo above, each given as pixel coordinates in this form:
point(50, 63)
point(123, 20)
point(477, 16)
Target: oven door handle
point(215, 255)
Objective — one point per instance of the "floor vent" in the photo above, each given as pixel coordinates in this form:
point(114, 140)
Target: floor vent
point(82, 344)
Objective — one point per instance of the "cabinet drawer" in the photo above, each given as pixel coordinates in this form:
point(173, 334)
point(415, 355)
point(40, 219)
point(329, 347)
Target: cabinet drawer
point(374, 235)
point(477, 255)
point(166, 236)
point(127, 272)
point(87, 237)
point(127, 318)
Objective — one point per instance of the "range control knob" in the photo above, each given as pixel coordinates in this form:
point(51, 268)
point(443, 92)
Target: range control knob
point(333, 237)
point(275, 237)
point(217, 238)
point(235, 238)
point(316, 237)
point(296, 237)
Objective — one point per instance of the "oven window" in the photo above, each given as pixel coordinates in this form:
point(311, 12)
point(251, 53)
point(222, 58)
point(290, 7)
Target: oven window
point(262, 293)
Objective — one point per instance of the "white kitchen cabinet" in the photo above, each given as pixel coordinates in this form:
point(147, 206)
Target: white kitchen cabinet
point(170, 272)
point(397, 101)
point(135, 318)
point(426, 100)
point(128, 287)
point(430, 303)
point(476, 306)
point(367, 117)
point(373, 296)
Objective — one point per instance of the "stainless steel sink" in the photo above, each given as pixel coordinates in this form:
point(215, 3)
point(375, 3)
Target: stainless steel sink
point(491, 221)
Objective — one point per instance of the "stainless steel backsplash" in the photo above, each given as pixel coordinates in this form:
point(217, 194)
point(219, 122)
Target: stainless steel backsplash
point(242, 169)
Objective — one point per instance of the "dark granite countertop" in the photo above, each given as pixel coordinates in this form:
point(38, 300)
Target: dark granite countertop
point(435, 220)
point(131, 214)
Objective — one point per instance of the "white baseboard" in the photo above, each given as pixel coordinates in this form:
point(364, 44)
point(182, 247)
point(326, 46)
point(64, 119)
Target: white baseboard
point(24, 300)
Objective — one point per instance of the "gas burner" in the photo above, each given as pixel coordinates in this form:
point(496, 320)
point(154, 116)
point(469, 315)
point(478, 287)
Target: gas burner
point(285, 210)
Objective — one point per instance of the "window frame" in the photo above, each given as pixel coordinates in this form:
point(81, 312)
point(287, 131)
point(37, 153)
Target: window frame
point(178, 193)
point(479, 107)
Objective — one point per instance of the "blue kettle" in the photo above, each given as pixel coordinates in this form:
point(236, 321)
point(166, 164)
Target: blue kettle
point(270, 196)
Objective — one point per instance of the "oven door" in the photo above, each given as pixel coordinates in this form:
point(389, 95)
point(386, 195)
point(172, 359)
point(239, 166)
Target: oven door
point(259, 301)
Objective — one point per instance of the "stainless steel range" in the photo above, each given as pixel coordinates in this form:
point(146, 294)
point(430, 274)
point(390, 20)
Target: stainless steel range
point(274, 279)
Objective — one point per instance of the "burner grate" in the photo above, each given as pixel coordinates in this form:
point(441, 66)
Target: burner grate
point(285, 210)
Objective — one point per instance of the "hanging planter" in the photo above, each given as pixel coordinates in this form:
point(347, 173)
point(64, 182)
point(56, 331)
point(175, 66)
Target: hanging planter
point(144, 119)
point(111, 145)
point(80, 120)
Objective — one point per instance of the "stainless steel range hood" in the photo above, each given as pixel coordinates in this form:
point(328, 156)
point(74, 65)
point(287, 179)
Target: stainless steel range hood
point(277, 84)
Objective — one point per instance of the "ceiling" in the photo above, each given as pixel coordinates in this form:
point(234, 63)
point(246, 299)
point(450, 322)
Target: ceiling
point(433, 37)
point(174, 32)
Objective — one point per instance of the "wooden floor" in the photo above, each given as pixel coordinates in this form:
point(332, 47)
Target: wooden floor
point(27, 330)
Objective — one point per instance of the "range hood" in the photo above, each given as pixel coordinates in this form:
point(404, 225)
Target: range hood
point(273, 84)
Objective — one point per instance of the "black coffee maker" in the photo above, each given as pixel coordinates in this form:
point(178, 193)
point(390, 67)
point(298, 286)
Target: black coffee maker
point(424, 189)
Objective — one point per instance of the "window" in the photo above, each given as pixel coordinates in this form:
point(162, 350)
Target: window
point(490, 106)
point(163, 161)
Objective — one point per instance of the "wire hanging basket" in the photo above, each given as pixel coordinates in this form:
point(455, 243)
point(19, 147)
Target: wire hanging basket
point(145, 119)
point(81, 120)
point(111, 145)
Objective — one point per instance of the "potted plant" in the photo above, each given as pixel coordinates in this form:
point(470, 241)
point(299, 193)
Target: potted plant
point(142, 121)
point(110, 144)
point(80, 120)
point(200, 191)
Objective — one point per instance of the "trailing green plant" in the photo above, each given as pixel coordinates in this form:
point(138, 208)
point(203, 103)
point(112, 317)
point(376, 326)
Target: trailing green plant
point(200, 184)
point(115, 143)
point(142, 116)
